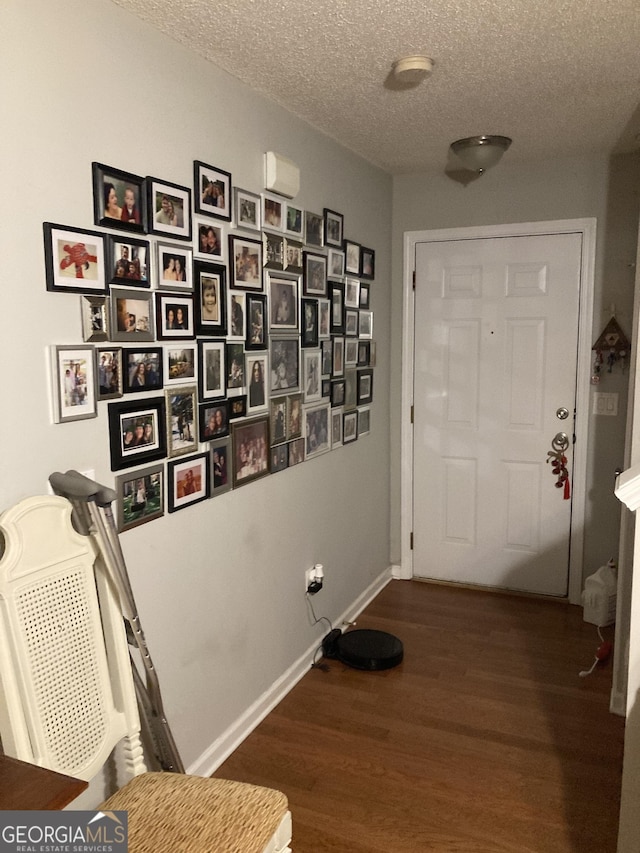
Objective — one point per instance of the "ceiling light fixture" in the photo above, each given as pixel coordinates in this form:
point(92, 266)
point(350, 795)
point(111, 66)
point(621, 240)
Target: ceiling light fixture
point(412, 70)
point(479, 153)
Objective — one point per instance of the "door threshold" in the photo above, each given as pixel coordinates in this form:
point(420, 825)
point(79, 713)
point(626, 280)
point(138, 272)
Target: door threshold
point(521, 593)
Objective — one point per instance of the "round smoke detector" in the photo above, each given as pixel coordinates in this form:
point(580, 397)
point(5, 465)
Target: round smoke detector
point(412, 69)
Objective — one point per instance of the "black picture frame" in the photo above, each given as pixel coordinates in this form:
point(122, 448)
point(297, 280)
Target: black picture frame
point(273, 250)
point(333, 228)
point(367, 263)
point(237, 407)
point(314, 279)
point(184, 475)
point(127, 417)
point(336, 296)
point(172, 221)
point(221, 466)
point(142, 369)
point(245, 263)
point(74, 260)
point(210, 298)
point(309, 322)
point(365, 386)
point(212, 190)
point(257, 322)
point(213, 420)
point(124, 189)
point(313, 229)
point(128, 261)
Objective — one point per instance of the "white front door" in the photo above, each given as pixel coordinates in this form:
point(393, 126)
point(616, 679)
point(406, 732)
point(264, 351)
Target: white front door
point(495, 360)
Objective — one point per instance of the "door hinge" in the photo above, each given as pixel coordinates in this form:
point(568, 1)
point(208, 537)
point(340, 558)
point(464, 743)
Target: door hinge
point(411, 541)
point(411, 414)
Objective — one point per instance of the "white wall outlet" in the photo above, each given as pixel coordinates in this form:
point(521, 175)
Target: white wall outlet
point(309, 576)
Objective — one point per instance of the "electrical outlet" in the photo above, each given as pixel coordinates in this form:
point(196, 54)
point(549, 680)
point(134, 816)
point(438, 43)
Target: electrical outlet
point(309, 576)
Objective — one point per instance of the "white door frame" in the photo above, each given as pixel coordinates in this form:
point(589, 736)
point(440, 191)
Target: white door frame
point(586, 227)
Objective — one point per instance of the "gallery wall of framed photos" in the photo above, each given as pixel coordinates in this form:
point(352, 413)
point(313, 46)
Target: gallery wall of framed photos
point(228, 333)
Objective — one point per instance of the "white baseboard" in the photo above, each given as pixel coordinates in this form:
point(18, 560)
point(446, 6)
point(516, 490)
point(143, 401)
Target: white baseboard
point(223, 746)
point(618, 703)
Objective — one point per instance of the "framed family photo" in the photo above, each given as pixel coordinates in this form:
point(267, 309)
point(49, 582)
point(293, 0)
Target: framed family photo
point(210, 281)
point(137, 432)
point(212, 370)
point(74, 383)
point(119, 199)
point(212, 190)
point(142, 369)
point(128, 261)
point(140, 497)
point(247, 207)
point(74, 259)
point(333, 227)
point(130, 315)
point(245, 260)
point(109, 372)
point(188, 481)
point(95, 320)
point(250, 450)
point(169, 208)
point(174, 266)
point(174, 316)
point(182, 429)
point(221, 466)
point(213, 420)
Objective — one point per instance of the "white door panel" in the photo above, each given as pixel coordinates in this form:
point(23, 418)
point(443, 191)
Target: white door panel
point(496, 324)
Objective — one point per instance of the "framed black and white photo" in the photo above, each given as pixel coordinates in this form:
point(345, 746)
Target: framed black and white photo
point(272, 250)
point(174, 316)
point(74, 383)
point(237, 314)
point(312, 370)
point(351, 292)
point(335, 263)
point(284, 360)
point(142, 369)
point(250, 450)
point(337, 392)
point(336, 296)
point(169, 209)
point(367, 263)
point(317, 430)
point(315, 274)
point(212, 190)
point(74, 259)
point(109, 372)
point(313, 229)
point(352, 258)
point(213, 419)
point(294, 221)
point(130, 315)
point(309, 322)
point(140, 496)
point(182, 428)
point(95, 319)
point(188, 481)
point(128, 261)
point(365, 386)
point(245, 262)
point(257, 321)
point(257, 373)
point(365, 324)
point(137, 432)
point(179, 363)
point(364, 353)
point(247, 207)
point(210, 298)
point(119, 199)
point(235, 368)
point(283, 303)
point(350, 427)
point(333, 227)
point(221, 466)
point(293, 256)
point(273, 212)
point(174, 266)
point(210, 242)
point(212, 370)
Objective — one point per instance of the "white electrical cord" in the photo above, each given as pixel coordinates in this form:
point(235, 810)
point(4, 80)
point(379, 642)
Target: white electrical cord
point(583, 673)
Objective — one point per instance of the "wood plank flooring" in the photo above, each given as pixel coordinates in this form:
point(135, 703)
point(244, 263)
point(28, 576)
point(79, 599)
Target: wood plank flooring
point(484, 740)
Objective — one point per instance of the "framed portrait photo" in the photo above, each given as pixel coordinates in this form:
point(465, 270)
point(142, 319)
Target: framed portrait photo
point(294, 221)
point(309, 325)
point(174, 266)
point(237, 315)
point(237, 407)
point(257, 321)
point(128, 261)
point(245, 260)
point(335, 263)
point(210, 241)
point(284, 359)
point(350, 427)
point(179, 363)
point(140, 497)
point(142, 369)
point(130, 315)
point(313, 229)
point(137, 432)
point(367, 263)
point(352, 257)
point(317, 430)
point(235, 368)
point(273, 212)
point(314, 275)
point(221, 466)
point(212, 190)
point(74, 259)
point(95, 319)
point(351, 292)
point(182, 429)
point(250, 450)
point(294, 416)
point(109, 372)
point(333, 227)
point(210, 297)
point(248, 212)
point(336, 297)
point(188, 481)
point(365, 386)
point(364, 353)
point(119, 199)
point(74, 383)
point(364, 294)
point(257, 373)
point(283, 302)
point(169, 209)
point(278, 419)
point(213, 420)
point(212, 370)
point(174, 316)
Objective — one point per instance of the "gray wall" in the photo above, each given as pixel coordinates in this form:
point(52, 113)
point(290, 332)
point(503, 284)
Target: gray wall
point(219, 585)
point(571, 189)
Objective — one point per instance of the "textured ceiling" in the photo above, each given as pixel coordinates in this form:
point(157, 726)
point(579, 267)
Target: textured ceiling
point(561, 78)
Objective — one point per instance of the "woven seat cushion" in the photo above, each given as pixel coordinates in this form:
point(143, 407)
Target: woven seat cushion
point(188, 814)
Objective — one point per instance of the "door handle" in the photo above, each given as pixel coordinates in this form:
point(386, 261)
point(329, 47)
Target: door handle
point(560, 441)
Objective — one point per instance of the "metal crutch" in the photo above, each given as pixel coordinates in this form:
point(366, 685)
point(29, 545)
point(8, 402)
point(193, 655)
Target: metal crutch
point(92, 513)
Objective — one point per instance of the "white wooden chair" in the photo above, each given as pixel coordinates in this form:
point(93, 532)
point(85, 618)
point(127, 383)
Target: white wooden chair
point(67, 695)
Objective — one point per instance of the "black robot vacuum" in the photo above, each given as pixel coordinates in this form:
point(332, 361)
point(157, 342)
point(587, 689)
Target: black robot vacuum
point(364, 649)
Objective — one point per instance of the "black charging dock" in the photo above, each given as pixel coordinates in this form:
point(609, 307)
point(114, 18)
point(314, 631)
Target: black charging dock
point(364, 649)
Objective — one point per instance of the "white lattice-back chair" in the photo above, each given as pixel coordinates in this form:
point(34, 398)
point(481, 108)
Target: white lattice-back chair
point(67, 695)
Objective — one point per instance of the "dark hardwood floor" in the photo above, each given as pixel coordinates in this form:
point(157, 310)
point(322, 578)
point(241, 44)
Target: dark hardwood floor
point(484, 740)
